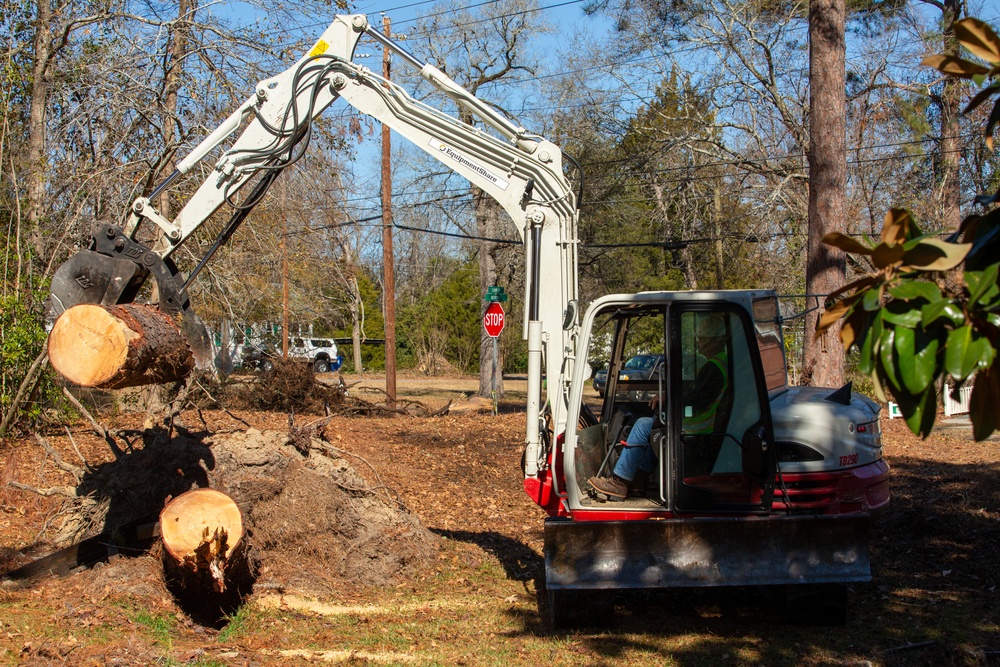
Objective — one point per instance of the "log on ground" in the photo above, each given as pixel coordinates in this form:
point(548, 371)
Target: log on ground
point(112, 347)
point(204, 542)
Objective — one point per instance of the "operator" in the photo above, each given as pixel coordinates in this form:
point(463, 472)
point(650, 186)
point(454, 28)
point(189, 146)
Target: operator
point(638, 459)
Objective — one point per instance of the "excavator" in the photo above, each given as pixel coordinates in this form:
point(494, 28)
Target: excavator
point(777, 491)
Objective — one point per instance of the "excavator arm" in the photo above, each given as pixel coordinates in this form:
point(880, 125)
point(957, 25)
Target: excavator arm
point(521, 171)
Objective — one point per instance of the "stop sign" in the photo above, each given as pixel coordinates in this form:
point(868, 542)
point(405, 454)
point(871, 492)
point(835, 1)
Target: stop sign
point(493, 319)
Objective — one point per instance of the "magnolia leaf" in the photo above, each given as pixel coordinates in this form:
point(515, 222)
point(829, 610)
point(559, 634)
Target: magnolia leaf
point(985, 198)
point(910, 290)
point(966, 351)
point(922, 412)
point(991, 123)
point(853, 329)
point(902, 314)
point(872, 299)
point(984, 232)
point(984, 404)
point(887, 255)
point(833, 312)
point(981, 282)
point(981, 96)
point(869, 346)
point(887, 359)
point(936, 255)
point(879, 390)
point(979, 38)
point(919, 409)
point(921, 351)
point(896, 226)
point(965, 69)
point(856, 286)
point(846, 243)
point(943, 308)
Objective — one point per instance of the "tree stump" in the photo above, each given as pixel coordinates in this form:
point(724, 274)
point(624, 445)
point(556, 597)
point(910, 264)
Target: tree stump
point(203, 539)
point(112, 347)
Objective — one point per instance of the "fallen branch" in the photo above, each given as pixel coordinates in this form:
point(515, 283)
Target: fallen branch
point(76, 449)
point(221, 406)
point(76, 471)
point(442, 411)
point(65, 491)
point(98, 429)
point(910, 647)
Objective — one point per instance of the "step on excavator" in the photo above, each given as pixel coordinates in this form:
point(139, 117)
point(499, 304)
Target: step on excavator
point(767, 485)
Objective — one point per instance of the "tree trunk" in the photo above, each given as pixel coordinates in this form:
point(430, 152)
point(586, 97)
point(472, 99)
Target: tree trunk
point(720, 276)
point(171, 87)
point(824, 357)
point(111, 347)
point(487, 217)
point(37, 165)
point(203, 541)
point(357, 309)
point(950, 147)
point(951, 144)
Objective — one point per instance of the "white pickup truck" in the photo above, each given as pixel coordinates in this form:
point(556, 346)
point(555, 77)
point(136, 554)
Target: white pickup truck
point(321, 353)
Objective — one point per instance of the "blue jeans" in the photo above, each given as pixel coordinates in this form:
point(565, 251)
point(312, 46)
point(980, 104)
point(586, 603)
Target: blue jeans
point(637, 453)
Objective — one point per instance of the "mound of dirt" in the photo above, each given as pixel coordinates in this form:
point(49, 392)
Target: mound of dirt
point(312, 522)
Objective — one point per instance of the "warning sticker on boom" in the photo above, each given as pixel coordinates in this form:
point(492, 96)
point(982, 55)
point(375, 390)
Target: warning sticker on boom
point(319, 49)
point(468, 163)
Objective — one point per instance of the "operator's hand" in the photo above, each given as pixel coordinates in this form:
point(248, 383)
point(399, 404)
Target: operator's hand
point(654, 401)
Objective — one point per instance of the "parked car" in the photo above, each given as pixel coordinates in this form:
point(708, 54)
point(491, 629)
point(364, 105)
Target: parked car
point(321, 353)
point(641, 367)
point(601, 381)
point(255, 357)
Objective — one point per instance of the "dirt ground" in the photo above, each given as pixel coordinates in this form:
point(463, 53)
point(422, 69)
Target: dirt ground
point(459, 580)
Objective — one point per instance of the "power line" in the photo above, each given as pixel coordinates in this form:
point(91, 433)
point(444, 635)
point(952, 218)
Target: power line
point(442, 192)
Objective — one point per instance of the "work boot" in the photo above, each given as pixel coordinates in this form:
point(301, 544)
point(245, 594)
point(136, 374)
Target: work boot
point(614, 487)
point(637, 487)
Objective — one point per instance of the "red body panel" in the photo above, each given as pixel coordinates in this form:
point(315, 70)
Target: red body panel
point(849, 491)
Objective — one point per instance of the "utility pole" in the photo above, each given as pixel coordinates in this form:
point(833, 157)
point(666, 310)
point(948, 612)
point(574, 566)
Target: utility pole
point(388, 275)
point(284, 275)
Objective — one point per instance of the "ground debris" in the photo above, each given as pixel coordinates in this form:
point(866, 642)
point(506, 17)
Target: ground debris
point(311, 519)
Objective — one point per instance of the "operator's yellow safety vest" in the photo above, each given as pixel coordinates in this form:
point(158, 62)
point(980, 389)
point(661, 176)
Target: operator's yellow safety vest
point(704, 421)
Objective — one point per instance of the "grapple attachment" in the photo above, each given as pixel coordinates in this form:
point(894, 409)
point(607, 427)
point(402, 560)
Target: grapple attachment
point(113, 270)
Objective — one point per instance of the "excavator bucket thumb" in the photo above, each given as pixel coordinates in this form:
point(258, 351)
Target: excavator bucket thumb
point(90, 277)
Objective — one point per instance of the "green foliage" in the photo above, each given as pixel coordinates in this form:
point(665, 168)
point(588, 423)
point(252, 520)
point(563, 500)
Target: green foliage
point(908, 331)
point(446, 321)
point(22, 339)
point(661, 219)
point(372, 356)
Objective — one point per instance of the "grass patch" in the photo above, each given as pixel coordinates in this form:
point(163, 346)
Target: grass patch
point(236, 625)
point(160, 626)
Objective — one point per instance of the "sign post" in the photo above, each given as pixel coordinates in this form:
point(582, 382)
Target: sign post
point(493, 321)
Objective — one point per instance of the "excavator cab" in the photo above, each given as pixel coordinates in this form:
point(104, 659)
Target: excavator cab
point(710, 421)
point(708, 517)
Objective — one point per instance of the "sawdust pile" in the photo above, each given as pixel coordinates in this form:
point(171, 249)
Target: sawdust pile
point(312, 521)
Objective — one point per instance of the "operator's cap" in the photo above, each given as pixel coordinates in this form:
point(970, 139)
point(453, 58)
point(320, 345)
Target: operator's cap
point(712, 326)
